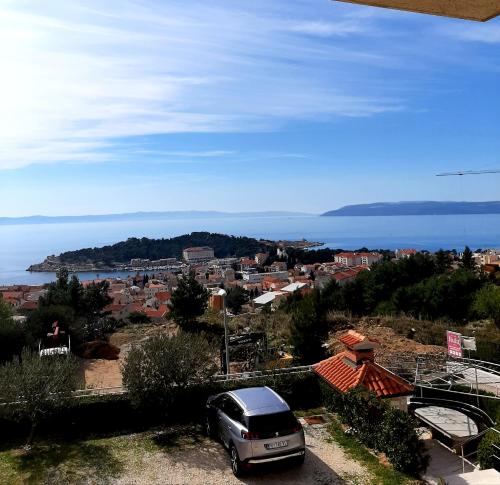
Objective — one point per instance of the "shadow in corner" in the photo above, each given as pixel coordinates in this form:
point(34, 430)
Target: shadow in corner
point(58, 463)
point(313, 471)
point(207, 454)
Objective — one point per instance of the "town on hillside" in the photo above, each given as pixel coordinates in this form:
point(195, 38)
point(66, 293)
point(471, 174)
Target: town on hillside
point(149, 287)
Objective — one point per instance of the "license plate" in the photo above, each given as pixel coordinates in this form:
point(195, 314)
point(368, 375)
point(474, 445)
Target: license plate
point(277, 444)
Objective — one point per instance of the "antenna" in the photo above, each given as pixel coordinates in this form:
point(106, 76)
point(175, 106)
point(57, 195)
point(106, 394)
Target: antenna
point(468, 172)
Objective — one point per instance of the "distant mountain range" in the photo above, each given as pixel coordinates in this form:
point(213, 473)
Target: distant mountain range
point(416, 208)
point(134, 216)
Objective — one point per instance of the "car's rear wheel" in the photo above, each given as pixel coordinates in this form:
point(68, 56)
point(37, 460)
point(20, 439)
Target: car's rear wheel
point(236, 465)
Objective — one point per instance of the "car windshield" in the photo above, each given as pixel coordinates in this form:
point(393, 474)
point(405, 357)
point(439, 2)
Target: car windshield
point(272, 423)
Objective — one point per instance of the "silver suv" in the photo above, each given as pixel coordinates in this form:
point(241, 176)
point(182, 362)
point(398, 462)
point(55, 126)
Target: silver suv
point(256, 426)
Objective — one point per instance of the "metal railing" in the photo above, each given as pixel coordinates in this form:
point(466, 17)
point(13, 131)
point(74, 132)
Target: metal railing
point(259, 374)
point(99, 391)
point(243, 376)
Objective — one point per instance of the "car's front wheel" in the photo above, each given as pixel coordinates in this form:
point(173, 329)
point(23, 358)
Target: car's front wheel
point(236, 465)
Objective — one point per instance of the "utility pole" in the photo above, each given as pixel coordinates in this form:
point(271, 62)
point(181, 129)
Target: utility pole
point(223, 293)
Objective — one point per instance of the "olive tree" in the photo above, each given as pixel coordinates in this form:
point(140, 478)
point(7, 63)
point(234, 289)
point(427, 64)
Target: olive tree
point(12, 336)
point(161, 367)
point(32, 387)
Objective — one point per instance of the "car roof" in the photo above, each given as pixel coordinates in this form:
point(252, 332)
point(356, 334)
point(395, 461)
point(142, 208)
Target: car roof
point(259, 400)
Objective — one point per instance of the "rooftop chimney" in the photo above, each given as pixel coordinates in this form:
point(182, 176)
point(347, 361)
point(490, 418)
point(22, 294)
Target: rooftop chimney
point(359, 348)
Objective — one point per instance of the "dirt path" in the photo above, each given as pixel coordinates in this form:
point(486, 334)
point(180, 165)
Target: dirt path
point(99, 373)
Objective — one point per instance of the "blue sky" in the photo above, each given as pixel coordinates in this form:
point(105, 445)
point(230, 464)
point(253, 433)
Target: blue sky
point(304, 105)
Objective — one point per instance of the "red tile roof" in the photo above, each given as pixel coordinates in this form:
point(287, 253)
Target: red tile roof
point(29, 305)
point(160, 313)
point(352, 338)
point(344, 275)
point(17, 295)
point(407, 251)
point(355, 367)
point(163, 295)
point(345, 255)
point(368, 374)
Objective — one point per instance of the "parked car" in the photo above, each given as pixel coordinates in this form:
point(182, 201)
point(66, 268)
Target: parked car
point(256, 426)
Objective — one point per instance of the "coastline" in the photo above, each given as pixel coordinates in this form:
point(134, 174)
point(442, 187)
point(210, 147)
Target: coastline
point(52, 264)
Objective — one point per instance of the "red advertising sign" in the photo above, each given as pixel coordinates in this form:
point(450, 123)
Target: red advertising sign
point(454, 340)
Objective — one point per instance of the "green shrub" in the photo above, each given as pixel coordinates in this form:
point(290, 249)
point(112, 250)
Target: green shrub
point(377, 425)
point(485, 450)
point(398, 439)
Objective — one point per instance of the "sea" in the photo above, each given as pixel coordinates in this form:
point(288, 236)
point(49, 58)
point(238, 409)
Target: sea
point(24, 244)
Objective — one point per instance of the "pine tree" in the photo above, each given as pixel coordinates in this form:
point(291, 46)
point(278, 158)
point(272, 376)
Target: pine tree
point(467, 260)
point(189, 301)
point(308, 330)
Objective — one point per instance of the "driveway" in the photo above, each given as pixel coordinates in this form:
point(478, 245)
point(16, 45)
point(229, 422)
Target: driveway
point(198, 460)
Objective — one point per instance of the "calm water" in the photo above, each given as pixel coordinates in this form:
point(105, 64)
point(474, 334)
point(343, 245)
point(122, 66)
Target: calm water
point(22, 245)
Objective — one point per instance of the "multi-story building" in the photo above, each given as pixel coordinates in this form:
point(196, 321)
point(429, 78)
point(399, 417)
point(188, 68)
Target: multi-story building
point(278, 266)
point(367, 258)
point(252, 277)
point(405, 253)
point(356, 259)
point(151, 289)
point(261, 258)
point(197, 254)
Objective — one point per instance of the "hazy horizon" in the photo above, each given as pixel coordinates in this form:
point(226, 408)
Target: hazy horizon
point(232, 213)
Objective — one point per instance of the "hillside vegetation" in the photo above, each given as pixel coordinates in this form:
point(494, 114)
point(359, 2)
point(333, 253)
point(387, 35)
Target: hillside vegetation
point(124, 251)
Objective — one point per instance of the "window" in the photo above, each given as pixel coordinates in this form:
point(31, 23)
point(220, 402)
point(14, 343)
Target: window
point(232, 410)
point(268, 425)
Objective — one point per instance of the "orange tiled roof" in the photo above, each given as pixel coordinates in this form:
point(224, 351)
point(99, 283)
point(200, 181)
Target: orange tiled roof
point(352, 338)
point(163, 295)
point(153, 313)
point(29, 305)
point(346, 255)
point(17, 295)
point(407, 251)
point(368, 374)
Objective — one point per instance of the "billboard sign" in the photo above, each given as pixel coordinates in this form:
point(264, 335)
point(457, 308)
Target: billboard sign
point(454, 340)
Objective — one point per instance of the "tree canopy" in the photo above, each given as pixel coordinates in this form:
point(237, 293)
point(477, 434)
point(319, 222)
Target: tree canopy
point(308, 330)
point(78, 309)
point(487, 303)
point(236, 298)
point(189, 301)
point(37, 385)
point(123, 252)
point(11, 334)
point(162, 366)
point(421, 286)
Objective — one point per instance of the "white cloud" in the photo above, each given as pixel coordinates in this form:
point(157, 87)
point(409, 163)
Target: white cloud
point(328, 29)
point(485, 33)
point(79, 76)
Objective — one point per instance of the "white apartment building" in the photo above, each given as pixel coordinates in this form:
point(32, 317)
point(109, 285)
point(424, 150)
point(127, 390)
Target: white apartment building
point(197, 254)
point(355, 259)
point(251, 277)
